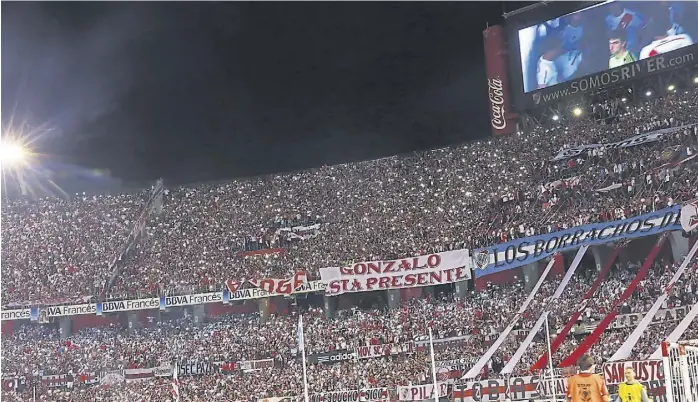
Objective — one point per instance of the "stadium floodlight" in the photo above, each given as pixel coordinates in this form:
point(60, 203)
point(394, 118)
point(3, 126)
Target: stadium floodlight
point(695, 80)
point(648, 93)
point(556, 117)
point(671, 88)
point(577, 111)
point(12, 154)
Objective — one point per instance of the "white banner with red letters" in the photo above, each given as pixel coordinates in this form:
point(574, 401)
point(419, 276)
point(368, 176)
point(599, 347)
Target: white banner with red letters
point(425, 270)
point(422, 392)
point(272, 286)
point(645, 370)
point(388, 349)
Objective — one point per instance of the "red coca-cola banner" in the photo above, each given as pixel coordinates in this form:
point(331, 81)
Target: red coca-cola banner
point(502, 119)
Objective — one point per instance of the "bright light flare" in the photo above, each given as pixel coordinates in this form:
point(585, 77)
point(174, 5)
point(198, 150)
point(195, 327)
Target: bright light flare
point(12, 154)
point(577, 111)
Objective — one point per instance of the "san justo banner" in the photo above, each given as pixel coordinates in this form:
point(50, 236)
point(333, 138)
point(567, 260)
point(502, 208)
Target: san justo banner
point(649, 372)
point(516, 253)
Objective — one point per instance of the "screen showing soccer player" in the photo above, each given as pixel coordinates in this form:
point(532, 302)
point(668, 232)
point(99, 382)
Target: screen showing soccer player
point(601, 37)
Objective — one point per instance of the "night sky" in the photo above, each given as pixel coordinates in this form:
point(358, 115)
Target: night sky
point(208, 91)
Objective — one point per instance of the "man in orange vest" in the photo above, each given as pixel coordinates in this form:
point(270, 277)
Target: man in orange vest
point(587, 386)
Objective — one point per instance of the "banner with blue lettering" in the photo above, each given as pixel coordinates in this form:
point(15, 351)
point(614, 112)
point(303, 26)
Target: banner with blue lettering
point(515, 253)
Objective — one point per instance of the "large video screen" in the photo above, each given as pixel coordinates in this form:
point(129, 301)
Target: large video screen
point(601, 37)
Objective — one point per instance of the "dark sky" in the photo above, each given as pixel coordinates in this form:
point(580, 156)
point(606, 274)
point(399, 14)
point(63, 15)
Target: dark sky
point(204, 91)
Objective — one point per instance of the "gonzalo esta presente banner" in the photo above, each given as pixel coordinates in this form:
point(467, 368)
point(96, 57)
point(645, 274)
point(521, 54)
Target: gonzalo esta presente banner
point(524, 251)
point(425, 270)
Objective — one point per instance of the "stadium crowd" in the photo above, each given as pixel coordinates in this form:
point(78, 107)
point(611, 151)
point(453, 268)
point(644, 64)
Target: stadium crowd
point(463, 196)
point(38, 349)
point(596, 308)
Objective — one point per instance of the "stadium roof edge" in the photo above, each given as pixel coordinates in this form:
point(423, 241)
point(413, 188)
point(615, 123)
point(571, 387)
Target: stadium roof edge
point(524, 9)
point(537, 5)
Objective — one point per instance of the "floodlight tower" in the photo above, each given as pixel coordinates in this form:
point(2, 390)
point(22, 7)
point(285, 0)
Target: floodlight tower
point(14, 157)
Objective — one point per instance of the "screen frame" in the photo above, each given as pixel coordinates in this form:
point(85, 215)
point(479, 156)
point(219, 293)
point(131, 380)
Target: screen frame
point(521, 20)
point(526, 18)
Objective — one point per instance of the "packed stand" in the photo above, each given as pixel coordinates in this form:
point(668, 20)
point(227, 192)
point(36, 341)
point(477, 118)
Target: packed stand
point(560, 311)
point(36, 349)
point(233, 338)
point(331, 216)
point(60, 249)
point(640, 301)
point(683, 293)
point(197, 242)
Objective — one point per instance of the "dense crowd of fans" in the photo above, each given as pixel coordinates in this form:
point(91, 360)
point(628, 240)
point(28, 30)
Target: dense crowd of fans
point(464, 196)
point(596, 308)
point(55, 249)
point(39, 350)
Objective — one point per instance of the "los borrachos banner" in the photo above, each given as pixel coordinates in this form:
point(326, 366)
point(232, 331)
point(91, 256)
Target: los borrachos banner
point(514, 388)
point(649, 372)
point(639, 139)
point(516, 253)
point(425, 270)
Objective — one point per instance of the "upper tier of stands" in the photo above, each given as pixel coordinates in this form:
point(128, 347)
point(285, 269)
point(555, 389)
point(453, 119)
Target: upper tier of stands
point(463, 196)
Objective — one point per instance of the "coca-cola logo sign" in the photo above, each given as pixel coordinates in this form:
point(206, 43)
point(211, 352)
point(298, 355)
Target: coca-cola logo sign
point(496, 92)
